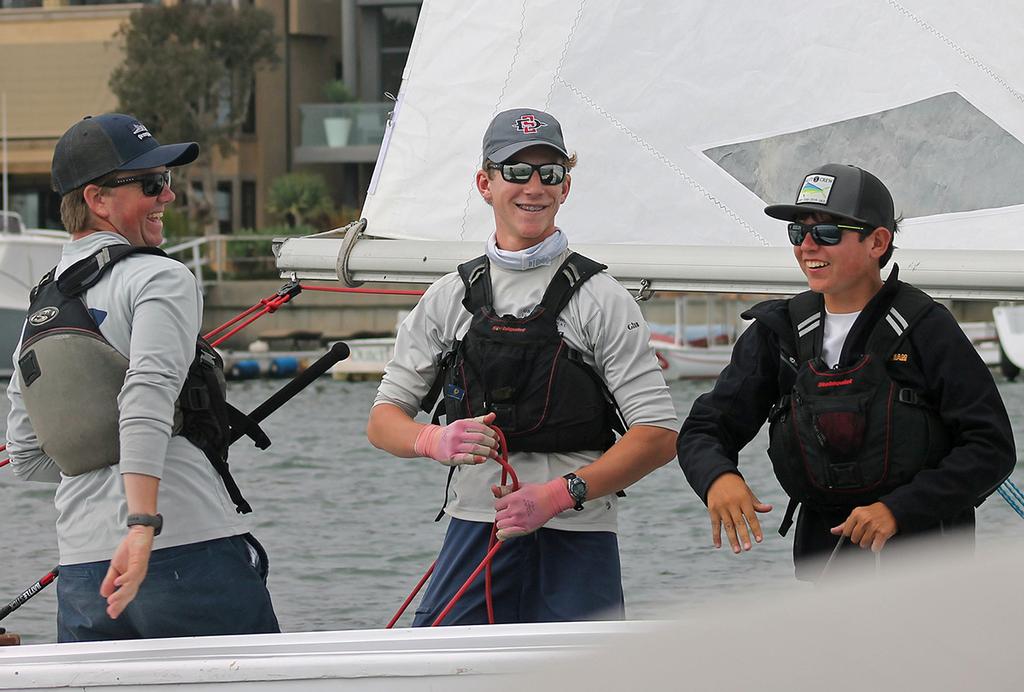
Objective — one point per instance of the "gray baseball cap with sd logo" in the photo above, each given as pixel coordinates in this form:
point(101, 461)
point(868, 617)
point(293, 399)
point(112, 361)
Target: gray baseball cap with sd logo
point(513, 130)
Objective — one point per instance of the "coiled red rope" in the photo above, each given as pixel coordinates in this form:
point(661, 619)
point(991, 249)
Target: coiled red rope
point(493, 546)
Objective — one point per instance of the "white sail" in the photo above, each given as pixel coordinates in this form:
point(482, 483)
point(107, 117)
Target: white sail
point(689, 117)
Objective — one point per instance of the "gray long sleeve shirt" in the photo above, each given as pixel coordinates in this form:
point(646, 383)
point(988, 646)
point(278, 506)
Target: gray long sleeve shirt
point(152, 309)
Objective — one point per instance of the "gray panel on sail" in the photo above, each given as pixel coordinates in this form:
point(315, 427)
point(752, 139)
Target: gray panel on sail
point(937, 156)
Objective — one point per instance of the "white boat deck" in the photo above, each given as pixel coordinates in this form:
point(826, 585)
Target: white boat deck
point(448, 658)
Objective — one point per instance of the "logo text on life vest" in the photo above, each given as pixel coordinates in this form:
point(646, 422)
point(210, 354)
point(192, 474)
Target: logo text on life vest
point(43, 316)
point(503, 328)
point(900, 357)
point(836, 383)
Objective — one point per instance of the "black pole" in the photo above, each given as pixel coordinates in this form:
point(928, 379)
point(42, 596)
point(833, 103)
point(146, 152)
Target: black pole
point(339, 351)
point(28, 593)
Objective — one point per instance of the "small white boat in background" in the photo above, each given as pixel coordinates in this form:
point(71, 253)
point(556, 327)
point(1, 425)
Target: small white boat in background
point(1009, 325)
point(25, 255)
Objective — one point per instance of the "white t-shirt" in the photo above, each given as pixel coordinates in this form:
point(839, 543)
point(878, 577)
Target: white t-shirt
point(837, 326)
point(601, 321)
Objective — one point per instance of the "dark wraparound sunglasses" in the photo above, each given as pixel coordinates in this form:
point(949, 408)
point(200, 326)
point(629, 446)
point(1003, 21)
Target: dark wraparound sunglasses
point(152, 183)
point(822, 233)
point(520, 173)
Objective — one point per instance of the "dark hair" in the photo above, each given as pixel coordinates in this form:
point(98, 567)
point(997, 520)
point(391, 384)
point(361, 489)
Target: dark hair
point(884, 259)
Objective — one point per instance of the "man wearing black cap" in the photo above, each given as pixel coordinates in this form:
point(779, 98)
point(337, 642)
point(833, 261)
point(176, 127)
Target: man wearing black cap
point(111, 400)
point(540, 343)
point(884, 421)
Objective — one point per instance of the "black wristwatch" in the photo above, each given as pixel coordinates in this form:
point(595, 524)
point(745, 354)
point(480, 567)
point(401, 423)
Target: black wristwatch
point(154, 520)
point(577, 489)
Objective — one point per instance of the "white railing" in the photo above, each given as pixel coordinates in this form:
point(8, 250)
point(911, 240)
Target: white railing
point(211, 259)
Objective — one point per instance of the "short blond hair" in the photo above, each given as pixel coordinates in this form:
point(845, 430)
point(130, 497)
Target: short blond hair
point(74, 212)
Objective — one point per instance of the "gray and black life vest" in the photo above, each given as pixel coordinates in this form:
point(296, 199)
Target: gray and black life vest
point(546, 398)
point(71, 378)
point(845, 436)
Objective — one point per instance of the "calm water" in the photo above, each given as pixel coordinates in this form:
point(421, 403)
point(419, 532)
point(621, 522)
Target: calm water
point(349, 529)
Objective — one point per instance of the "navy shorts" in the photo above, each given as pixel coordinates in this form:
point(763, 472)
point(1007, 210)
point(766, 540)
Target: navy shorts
point(211, 587)
point(546, 576)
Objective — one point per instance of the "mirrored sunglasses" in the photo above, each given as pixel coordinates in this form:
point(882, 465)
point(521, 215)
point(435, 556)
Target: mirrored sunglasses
point(152, 183)
point(822, 233)
point(520, 173)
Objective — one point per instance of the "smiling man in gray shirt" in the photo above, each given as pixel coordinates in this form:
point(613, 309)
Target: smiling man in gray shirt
point(115, 408)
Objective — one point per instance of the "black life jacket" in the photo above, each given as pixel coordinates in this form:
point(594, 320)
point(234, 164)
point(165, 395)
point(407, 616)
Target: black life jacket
point(71, 377)
point(845, 437)
point(547, 399)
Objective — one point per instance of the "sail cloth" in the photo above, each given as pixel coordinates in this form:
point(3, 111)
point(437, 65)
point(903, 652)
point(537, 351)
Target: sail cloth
point(688, 118)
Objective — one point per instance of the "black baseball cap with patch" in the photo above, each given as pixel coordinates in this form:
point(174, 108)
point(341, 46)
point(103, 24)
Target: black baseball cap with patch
point(844, 191)
point(96, 146)
point(513, 130)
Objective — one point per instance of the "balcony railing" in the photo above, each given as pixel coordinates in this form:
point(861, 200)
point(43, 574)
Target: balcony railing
point(341, 132)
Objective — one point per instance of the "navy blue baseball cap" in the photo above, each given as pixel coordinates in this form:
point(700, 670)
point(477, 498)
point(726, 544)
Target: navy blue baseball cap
point(96, 146)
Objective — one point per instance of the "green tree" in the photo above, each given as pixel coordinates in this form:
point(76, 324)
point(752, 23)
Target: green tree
point(300, 199)
point(188, 73)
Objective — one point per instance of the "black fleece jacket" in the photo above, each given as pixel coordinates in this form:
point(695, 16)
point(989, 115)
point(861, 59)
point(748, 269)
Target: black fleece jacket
point(943, 366)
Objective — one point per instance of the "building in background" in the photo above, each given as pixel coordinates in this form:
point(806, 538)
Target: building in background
point(56, 58)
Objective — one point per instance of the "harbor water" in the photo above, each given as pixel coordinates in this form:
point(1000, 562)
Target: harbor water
point(350, 529)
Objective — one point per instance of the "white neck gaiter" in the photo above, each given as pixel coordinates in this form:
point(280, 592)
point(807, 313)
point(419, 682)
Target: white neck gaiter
point(543, 253)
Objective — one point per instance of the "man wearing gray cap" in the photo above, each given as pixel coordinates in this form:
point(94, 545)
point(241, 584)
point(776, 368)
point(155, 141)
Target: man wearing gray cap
point(115, 400)
point(884, 421)
point(540, 343)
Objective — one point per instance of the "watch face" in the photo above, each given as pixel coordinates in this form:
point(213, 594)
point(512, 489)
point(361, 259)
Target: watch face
point(578, 488)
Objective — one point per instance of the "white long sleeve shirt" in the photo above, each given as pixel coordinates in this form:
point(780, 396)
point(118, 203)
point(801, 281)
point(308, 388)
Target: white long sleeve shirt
point(152, 309)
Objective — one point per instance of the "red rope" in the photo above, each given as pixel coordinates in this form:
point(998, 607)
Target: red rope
point(408, 600)
point(5, 462)
point(284, 295)
point(492, 548)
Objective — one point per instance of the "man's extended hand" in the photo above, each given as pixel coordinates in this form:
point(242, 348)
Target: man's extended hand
point(869, 527)
point(733, 505)
point(128, 568)
point(463, 441)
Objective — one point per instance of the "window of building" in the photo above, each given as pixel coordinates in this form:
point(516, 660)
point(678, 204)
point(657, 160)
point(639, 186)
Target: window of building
point(222, 204)
point(113, 2)
point(248, 200)
point(249, 124)
point(397, 25)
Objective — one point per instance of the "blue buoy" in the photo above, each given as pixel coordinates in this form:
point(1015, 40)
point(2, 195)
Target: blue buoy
point(244, 370)
point(284, 366)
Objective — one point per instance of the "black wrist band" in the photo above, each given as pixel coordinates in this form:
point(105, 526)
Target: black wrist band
point(154, 520)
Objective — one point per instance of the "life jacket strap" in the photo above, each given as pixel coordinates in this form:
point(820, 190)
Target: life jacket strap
point(86, 273)
point(447, 488)
point(572, 274)
point(787, 520)
point(476, 276)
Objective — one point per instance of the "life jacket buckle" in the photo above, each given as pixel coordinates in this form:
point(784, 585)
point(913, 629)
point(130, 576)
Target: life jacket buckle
point(909, 396)
point(197, 398)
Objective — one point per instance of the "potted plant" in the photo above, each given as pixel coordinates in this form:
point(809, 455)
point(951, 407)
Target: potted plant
point(337, 126)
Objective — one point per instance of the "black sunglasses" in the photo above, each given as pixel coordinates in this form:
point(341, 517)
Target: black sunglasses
point(152, 183)
point(822, 233)
point(520, 173)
